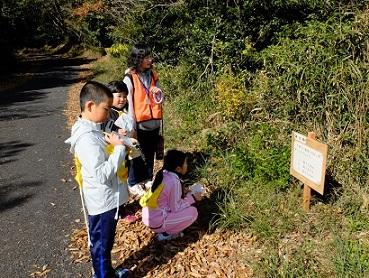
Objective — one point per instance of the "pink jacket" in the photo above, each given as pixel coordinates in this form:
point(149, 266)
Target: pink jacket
point(169, 201)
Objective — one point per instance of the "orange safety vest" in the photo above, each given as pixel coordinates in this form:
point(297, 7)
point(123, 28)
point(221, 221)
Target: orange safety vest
point(144, 105)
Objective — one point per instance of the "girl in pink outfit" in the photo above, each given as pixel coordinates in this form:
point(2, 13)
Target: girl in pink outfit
point(165, 210)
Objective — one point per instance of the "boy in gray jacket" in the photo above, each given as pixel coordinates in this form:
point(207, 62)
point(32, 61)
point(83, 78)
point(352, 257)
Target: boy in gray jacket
point(99, 160)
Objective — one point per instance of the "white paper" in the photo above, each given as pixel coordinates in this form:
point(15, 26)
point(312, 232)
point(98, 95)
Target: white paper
point(196, 188)
point(307, 162)
point(125, 122)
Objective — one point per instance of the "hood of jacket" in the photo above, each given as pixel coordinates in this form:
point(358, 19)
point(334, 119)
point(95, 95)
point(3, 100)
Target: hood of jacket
point(80, 128)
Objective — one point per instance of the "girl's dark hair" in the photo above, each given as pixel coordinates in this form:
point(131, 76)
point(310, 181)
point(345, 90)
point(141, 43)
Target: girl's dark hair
point(95, 92)
point(118, 87)
point(172, 159)
point(137, 54)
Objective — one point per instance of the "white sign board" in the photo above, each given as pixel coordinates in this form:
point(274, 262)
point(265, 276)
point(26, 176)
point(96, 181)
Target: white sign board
point(308, 161)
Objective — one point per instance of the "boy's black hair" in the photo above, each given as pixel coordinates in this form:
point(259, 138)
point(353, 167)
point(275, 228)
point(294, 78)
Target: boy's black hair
point(138, 53)
point(172, 159)
point(95, 92)
point(118, 87)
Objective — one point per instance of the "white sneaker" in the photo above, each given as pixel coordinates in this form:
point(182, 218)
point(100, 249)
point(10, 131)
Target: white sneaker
point(162, 237)
point(136, 190)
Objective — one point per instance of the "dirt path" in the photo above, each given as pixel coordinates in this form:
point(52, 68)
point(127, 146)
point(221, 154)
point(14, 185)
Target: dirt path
point(38, 205)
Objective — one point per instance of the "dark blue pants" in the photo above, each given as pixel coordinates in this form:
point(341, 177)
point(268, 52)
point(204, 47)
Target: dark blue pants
point(137, 171)
point(148, 140)
point(102, 232)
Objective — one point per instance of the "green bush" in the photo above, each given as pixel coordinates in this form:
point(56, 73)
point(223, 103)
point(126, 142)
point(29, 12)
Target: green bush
point(317, 79)
point(118, 50)
point(256, 153)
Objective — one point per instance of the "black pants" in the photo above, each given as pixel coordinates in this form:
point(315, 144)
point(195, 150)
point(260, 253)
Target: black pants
point(148, 140)
point(136, 171)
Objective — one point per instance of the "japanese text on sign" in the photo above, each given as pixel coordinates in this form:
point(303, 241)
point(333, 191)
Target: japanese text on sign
point(307, 162)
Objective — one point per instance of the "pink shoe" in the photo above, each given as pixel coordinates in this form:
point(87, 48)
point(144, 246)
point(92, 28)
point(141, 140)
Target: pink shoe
point(130, 218)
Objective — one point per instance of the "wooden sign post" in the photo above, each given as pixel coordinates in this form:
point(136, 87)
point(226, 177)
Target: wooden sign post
point(308, 164)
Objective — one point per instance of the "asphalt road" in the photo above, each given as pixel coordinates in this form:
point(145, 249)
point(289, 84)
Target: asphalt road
point(37, 208)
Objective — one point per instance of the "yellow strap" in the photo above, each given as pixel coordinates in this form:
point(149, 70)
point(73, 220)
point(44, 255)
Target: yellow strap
point(122, 170)
point(78, 176)
point(150, 199)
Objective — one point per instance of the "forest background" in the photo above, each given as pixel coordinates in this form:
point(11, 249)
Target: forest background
point(239, 77)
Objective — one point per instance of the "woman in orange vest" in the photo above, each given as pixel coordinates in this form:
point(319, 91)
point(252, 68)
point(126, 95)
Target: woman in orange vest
point(144, 101)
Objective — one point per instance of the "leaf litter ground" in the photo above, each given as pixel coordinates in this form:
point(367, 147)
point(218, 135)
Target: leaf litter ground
point(200, 253)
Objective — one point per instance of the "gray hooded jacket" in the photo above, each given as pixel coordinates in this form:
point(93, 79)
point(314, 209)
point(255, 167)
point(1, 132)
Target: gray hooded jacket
point(101, 187)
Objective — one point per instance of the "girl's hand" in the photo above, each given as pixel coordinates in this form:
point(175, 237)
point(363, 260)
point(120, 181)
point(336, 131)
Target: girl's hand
point(113, 138)
point(198, 196)
point(185, 190)
point(134, 134)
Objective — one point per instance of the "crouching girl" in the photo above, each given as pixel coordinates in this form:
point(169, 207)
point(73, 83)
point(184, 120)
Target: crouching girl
point(165, 210)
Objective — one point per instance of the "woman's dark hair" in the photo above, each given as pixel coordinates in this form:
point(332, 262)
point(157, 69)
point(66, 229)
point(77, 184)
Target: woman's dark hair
point(172, 160)
point(137, 54)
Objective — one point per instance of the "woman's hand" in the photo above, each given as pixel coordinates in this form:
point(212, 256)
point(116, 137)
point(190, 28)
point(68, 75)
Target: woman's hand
point(155, 90)
point(157, 94)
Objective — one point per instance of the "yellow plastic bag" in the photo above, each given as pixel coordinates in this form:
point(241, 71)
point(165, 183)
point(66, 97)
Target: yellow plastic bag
point(122, 170)
point(150, 199)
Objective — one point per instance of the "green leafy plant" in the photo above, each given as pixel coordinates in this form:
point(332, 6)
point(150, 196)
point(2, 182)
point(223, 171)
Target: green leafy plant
point(118, 50)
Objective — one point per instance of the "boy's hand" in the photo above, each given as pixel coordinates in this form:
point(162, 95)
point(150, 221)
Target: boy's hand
point(122, 132)
point(113, 138)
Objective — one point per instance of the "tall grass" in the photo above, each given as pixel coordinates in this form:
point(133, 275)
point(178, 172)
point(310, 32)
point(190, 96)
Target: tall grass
point(314, 76)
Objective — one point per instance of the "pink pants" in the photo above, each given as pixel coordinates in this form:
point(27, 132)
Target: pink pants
point(176, 222)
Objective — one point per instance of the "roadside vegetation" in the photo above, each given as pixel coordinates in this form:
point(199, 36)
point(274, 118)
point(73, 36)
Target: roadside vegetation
point(239, 77)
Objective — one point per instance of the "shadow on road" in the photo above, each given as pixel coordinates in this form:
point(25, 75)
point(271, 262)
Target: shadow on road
point(35, 79)
point(40, 72)
point(11, 149)
point(32, 161)
point(49, 63)
point(14, 194)
point(16, 105)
